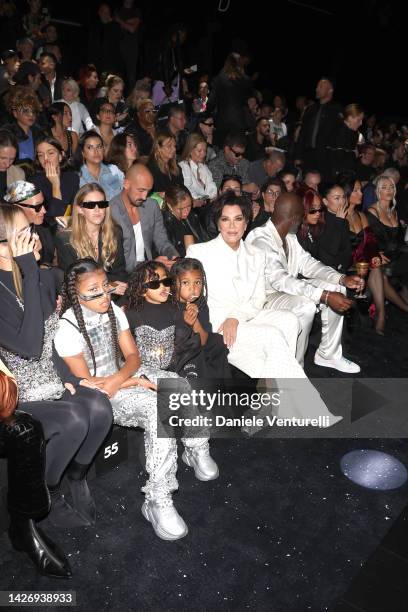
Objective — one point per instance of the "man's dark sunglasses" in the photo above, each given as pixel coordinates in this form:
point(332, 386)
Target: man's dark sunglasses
point(36, 207)
point(155, 284)
point(92, 205)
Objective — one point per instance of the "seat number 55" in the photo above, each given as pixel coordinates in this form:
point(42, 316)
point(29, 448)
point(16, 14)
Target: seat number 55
point(110, 450)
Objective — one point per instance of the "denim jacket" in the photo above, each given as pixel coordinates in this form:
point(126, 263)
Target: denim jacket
point(110, 179)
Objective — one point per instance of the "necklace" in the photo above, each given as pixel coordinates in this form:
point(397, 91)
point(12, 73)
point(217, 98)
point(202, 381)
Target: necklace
point(19, 302)
point(388, 212)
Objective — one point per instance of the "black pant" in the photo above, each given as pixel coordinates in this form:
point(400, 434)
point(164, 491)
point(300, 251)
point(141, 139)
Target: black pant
point(22, 442)
point(74, 428)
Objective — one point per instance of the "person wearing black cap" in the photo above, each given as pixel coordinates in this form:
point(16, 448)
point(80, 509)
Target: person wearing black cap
point(318, 125)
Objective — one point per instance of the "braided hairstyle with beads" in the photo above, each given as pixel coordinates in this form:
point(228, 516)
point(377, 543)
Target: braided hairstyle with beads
point(143, 273)
point(70, 300)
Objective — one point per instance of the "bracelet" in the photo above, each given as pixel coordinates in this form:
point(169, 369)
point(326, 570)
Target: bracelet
point(326, 297)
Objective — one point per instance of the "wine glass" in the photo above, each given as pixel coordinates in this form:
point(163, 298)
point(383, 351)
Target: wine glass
point(362, 271)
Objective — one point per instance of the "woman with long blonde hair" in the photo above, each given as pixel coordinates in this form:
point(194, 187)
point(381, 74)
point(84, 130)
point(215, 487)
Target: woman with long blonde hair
point(163, 164)
point(384, 221)
point(93, 233)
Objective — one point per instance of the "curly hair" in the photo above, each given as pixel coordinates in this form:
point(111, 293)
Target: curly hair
point(20, 96)
point(70, 300)
point(142, 274)
point(188, 264)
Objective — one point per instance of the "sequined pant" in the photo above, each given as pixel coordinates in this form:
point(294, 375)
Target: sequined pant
point(137, 407)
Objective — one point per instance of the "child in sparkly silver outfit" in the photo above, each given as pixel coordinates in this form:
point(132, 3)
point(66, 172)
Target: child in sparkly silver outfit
point(95, 341)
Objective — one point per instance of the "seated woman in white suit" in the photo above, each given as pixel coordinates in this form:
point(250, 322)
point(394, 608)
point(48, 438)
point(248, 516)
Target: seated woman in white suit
point(262, 343)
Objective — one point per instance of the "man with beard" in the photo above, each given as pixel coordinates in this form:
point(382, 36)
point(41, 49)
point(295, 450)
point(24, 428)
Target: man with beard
point(139, 216)
point(321, 286)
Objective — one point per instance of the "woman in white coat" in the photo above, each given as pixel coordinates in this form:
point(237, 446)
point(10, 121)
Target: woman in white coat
point(261, 343)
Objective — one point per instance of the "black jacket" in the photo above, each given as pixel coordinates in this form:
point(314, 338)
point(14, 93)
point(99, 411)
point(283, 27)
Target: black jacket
point(69, 187)
point(67, 255)
point(44, 90)
point(342, 150)
point(177, 229)
point(334, 245)
point(162, 181)
point(329, 122)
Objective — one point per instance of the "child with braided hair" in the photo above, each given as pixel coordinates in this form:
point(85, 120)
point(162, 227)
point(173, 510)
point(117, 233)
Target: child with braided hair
point(94, 339)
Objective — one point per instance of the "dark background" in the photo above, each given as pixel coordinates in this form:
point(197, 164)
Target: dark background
point(362, 43)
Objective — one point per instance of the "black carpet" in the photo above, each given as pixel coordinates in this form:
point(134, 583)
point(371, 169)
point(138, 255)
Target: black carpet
point(280, 530)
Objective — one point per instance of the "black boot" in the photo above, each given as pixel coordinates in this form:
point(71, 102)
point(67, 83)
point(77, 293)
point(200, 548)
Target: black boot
point(46, 556)
point(82, 500)
point(62, 514)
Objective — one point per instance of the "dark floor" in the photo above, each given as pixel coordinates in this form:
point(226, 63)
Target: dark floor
point(280, 530)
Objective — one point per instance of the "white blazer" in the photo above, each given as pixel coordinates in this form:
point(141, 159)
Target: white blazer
point(236, 279)
point(197, 190)
point(281, 272)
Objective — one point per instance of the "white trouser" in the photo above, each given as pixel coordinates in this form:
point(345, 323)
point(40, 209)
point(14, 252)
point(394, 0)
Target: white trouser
point(305, 310)
point(266, 345)
point(265, 348)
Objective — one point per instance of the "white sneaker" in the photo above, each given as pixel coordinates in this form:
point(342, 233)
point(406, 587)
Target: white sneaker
point(165, 519)
point(200, 459)
point(342, 364)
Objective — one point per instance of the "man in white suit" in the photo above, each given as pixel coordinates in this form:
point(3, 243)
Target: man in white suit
point(321, 286)
point(261, 342)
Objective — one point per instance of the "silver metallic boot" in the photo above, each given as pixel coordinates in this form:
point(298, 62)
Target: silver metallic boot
point(199, 458)
point(163, 516)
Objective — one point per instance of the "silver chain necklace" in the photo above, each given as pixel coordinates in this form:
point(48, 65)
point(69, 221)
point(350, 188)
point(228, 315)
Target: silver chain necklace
point(19, 302)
